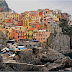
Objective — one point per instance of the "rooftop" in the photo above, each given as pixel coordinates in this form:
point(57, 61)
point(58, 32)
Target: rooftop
point(42, 30)
point(31, 28)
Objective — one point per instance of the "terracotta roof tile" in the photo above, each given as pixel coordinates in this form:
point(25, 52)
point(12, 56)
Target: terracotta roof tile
point(31, 28)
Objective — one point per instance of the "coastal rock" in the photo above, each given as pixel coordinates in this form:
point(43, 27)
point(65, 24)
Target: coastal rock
point(59, 64)
point(60, 43)
point(36, 62)
point(51, 56)
point(25, 56)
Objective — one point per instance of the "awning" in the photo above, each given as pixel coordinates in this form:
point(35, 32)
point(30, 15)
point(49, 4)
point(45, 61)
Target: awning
point(35, 40)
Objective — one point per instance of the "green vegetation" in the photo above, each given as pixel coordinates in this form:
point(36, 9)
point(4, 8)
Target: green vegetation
point(67, 30)
point(64, 26)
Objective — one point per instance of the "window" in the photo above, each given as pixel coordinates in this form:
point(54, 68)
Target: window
point(48, 22)
point(30, 45)
point(18, 36)
point(6, 28)
point(21, 34)
point(16, 31)
point(41, 38)
point(20, 28)
point(44, 38)
point(26, 45)
point(21, 31)
point(46, 11)
point(13, 38)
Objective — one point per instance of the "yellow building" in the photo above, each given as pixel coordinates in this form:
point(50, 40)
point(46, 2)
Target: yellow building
point(35, 33)
point(3, 30)
point(26, 23)
point(0, 16)
point(15, 16)
point(31, 32)
point(55, 16)
point(9, 29)
point(26, 20)
point(26, 15)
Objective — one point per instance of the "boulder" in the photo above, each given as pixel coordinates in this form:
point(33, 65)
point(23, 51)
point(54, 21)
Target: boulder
point(51, 56)
point(59, 64)
point(25, 56)
point(36, 61)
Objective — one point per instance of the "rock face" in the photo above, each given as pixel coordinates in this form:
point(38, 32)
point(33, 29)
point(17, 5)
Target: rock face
point(71, 42)
point(55, 62)
point(25, 56)
point(1, 60)
point(2, 39)
point(61, 43)
point(51, 56)
point(3, 6)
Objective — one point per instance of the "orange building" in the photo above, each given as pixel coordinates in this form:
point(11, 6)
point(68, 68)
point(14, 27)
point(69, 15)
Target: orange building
point(18, 35)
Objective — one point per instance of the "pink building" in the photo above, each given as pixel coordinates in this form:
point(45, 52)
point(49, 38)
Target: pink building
point(18, 35)
point(42, 35)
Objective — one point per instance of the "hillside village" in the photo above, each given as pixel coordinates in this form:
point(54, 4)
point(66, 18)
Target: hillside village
point(35, 40)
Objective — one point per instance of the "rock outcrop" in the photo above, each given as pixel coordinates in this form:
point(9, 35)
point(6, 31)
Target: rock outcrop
point(60, 43)
point(3, 6)
point(2, 39)
point(51, 55)
point(25, 56)
point(58, 65)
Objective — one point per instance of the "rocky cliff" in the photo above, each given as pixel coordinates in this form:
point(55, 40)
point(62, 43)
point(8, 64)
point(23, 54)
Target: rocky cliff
point(60, 43)
point(2, 39)
point(3, 6)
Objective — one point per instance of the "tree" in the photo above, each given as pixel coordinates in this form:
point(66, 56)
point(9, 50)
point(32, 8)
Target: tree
point(64, 26)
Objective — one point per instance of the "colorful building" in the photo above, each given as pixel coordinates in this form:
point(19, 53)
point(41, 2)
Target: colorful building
point(0, 16)
point(15, 16)
point(31, 32)
point(42, 35)
point(19, 33)
point(4, 31)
